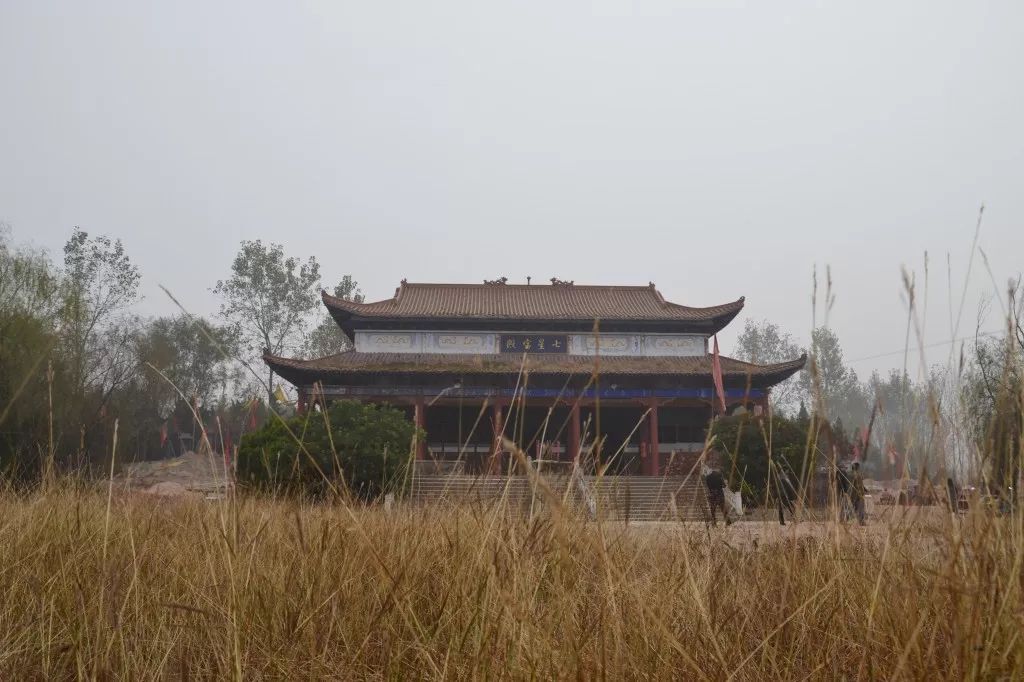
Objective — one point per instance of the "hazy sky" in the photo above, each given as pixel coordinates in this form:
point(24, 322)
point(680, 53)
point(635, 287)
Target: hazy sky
point(715, 148)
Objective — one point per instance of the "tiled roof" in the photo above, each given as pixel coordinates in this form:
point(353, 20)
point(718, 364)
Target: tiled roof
point(353, 362)
point(560, 301)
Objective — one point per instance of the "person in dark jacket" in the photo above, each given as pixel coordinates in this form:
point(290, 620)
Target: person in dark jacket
point(843, 494)
point(784, 492)
point(951, 494)
point(716, 495)
point(857, 493)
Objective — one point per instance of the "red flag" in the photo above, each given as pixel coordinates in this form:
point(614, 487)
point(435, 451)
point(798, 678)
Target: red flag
point(716, 374)
point(252, 415)
point(163, 434)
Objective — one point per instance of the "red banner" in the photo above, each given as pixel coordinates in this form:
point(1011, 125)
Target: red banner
point(716, 374)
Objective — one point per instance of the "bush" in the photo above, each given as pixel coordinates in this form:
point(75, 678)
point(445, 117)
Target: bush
point(742, 440)
point(366, 450)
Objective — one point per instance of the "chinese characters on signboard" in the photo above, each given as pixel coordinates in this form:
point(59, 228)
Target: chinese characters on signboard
point(534, 343)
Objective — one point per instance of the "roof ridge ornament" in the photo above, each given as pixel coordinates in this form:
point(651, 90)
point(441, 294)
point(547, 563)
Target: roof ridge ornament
point(658, 296)
point(496, 282)
point(555, 282)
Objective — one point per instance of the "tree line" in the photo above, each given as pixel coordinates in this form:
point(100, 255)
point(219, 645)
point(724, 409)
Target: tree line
point(75, 354)
point(961, 419)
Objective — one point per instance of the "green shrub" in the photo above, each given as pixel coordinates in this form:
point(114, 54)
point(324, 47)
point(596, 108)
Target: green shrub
point(366, 450)
point(743, 441)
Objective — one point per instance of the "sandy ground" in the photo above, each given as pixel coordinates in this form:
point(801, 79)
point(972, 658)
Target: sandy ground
point(191, 474)
point(760, 529)
point(202, 475)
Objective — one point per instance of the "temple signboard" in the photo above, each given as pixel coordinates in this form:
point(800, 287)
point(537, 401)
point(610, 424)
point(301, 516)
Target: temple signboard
point(534, 343)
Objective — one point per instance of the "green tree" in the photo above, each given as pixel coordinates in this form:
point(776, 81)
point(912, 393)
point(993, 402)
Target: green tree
point(269, 299)
point(905, 421)
point(28, 334)
point(803, 417)
point(993, 399)
point(100, 284)
point(765, 343)
point(194, 357)
point(832, 387)
point(744, 442)
point(358, 447)
point(327, 337)
point(28, 282)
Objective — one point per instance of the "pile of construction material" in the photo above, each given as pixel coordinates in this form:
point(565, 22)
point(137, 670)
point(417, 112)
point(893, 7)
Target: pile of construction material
point(192, 474)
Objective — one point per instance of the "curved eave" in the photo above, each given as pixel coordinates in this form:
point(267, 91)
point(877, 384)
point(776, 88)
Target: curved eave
point(766, 375)
point(720, 321)
point(737, 374)
point(349, 308)
point(296, 372)
point(340, 310)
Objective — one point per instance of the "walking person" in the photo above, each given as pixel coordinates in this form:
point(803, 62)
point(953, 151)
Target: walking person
point(715, 484)
point(843, 494)
point(785, 492)
point(857, 493)
point(952, 496)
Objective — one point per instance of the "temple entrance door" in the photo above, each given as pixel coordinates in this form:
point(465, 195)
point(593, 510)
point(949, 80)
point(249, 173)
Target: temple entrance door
point(619, 451)
point(541, 432)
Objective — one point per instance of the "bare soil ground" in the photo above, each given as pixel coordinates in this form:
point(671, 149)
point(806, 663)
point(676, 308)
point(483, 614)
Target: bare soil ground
point(762, 527)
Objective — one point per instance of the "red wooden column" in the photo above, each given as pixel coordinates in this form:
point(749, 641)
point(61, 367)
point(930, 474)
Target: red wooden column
point(300, 405)
point(645, 446)
point(651, 464)
point(420, 418)
point(574, 432)
point(498, 426)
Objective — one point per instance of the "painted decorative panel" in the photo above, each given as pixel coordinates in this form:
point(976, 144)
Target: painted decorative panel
point(488, 343)
point(673, 344)
point(387, 342)
point(444, 342)
point(607, 344)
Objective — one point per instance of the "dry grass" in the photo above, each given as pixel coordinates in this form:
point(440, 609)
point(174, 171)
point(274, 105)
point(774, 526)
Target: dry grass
point(131, 586)
point(261, 588)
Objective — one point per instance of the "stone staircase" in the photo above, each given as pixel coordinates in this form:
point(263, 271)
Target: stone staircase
point(632, 498)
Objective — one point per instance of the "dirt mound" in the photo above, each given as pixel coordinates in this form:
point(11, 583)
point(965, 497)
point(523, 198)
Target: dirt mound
point(170, 489)
point(192, 471)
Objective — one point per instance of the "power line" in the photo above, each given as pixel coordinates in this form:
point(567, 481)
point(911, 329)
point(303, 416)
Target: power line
point(927, 345)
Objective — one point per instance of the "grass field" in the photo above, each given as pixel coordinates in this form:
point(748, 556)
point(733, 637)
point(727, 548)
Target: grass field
point(267, 589)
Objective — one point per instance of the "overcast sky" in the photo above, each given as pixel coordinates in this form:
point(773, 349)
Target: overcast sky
point(715, 148)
